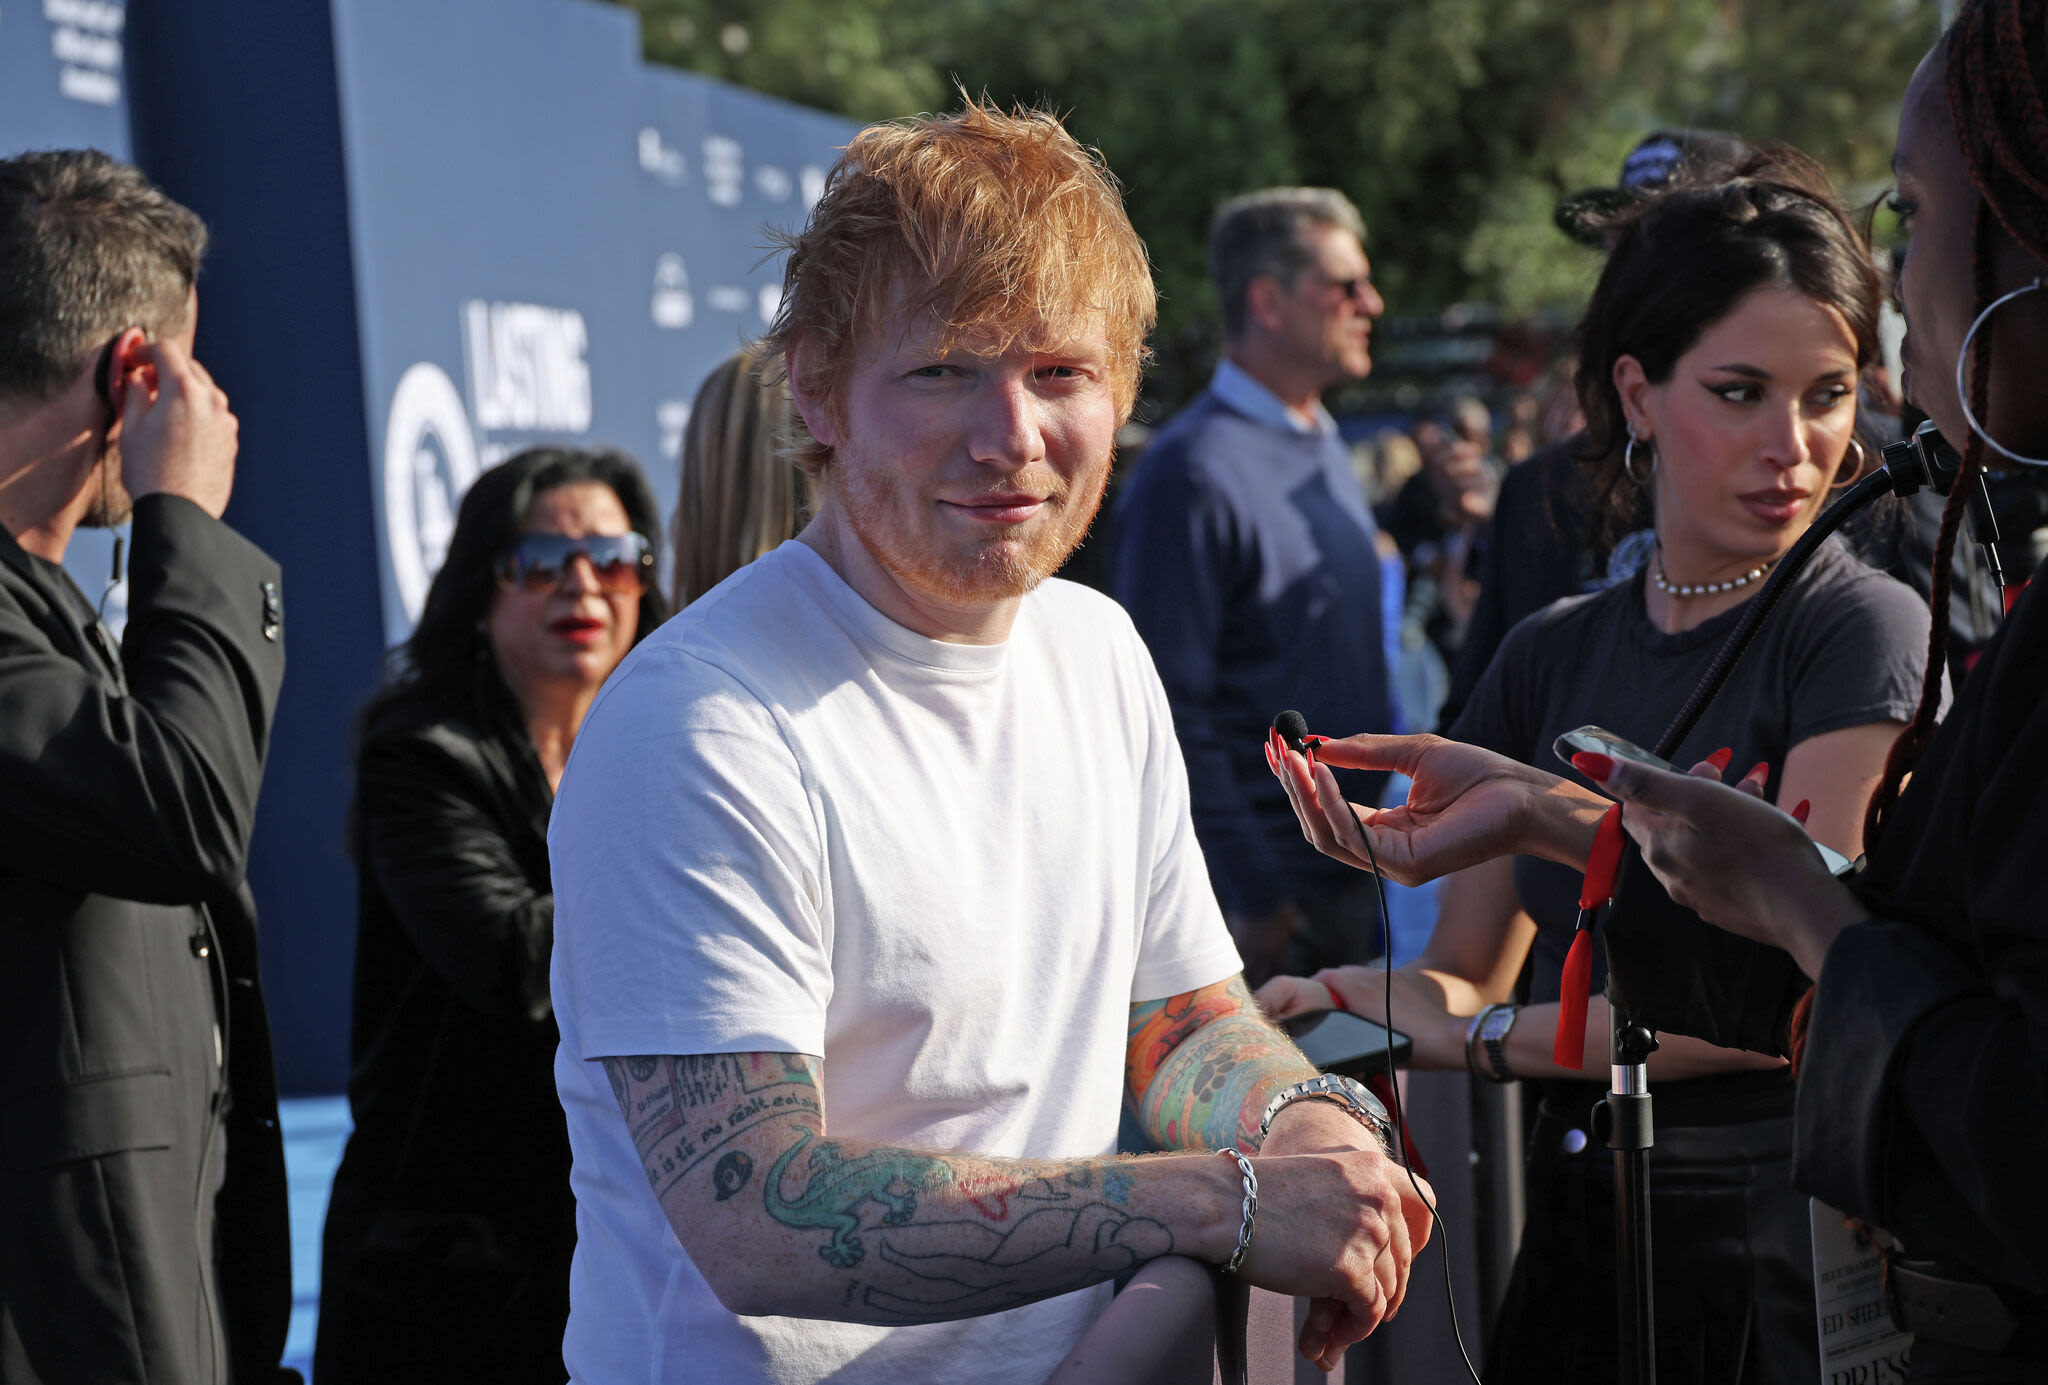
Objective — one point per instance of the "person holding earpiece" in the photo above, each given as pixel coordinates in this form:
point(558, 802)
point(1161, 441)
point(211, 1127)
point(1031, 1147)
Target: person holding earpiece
point(1723, 393)
point(142, 1189)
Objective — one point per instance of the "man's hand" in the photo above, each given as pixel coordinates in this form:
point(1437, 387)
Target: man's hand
point(180, 437)
point(1465, 805)
point(1338, 1221)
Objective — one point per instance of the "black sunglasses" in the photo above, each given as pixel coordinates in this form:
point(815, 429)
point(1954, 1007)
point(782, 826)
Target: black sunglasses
point(536, 563)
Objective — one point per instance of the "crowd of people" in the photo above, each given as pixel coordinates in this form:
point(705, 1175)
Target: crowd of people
point(751, 974)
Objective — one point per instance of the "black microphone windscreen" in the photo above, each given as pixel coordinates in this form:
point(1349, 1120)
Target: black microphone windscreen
point(1293, 727)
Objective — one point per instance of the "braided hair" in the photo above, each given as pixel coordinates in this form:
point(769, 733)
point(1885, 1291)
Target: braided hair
point(1997, 74)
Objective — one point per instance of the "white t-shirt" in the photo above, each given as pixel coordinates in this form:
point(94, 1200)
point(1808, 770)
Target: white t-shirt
point(792, 825)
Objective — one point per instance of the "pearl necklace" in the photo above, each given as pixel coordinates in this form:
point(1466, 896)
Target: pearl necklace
point(1671, 588)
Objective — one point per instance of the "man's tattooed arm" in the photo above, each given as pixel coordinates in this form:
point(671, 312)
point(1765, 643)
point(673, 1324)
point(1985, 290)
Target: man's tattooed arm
point(1200, 1067)
point(783, 1219)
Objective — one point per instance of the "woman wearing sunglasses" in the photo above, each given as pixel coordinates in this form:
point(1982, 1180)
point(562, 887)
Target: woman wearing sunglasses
point(451, 1225)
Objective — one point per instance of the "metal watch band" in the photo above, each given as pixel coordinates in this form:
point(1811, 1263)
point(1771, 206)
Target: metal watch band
point(1352, 1096)
point(1488, 1034)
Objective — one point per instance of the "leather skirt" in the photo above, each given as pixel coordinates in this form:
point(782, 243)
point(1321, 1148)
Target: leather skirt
point(1733, 1277)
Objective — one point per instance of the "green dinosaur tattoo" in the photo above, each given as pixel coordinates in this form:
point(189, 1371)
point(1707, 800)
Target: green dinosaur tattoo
point(832, 1197)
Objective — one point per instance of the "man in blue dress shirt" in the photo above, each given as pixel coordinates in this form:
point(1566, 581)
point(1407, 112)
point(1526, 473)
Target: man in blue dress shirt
point(1247, 556)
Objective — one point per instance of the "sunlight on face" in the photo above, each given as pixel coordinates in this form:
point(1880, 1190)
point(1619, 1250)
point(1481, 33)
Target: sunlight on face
point(1750, 430)
point(969, 477)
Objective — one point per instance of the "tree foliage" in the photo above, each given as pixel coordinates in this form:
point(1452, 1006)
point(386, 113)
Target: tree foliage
point(1456, 125)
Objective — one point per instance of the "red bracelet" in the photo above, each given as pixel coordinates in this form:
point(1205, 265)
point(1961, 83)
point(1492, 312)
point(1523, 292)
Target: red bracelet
point(1336, 1001)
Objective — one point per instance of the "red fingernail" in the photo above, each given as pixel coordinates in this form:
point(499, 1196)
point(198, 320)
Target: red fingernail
point(1799, 813)
point(1760, 771)
point(1271, 763)
point(1314, 742)
point(1720, 758)
point(1593, 765)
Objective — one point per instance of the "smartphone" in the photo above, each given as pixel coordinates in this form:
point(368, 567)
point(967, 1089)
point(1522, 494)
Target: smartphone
point(1601, 741)
point(1340, 1042)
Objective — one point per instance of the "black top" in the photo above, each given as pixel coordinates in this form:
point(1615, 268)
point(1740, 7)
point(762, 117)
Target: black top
point(454, 1036)
point(1925, 1083)
point(1245, 555)
point(1844, 647)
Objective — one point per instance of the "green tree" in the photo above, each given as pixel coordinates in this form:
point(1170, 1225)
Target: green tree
point(1456, 125)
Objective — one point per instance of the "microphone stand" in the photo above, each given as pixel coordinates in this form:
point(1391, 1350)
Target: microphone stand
point(1922, 460)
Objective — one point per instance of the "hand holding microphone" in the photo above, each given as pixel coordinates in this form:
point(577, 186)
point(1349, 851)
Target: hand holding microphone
point(1465, 805)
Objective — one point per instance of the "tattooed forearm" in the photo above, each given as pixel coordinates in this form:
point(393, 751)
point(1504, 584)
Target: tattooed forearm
point(1201, 1067)
point(682, 1111)
point(785, 1220)
point(952, 1235)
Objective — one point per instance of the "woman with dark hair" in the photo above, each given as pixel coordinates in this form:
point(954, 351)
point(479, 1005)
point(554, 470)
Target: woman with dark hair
point(1718, 376)
point(451, 1225)
point(1922, 1047)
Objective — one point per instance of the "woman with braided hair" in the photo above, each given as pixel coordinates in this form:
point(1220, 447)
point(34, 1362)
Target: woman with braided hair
point(1922, 1047)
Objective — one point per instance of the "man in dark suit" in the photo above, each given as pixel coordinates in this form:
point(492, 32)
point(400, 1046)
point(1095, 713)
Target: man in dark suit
point(141, 1175)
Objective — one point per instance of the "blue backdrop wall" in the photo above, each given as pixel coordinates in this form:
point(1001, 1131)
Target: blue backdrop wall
point(443, 230)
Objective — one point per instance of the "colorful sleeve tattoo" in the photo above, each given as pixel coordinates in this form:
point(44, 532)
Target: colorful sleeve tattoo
point(1200, 1067)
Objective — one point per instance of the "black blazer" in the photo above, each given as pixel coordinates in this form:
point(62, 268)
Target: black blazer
point(454, 1187)
point(132, 1030)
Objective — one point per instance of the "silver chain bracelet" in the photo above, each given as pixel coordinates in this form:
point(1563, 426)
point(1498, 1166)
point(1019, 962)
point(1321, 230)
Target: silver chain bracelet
point(1251, 1209)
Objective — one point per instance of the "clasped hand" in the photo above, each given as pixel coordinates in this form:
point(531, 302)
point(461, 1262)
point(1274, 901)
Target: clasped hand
point(1338, 1222)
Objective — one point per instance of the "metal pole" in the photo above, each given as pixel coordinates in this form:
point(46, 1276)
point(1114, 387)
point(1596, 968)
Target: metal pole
point(1630, 1135)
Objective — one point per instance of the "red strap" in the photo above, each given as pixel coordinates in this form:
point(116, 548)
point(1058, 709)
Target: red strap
point(1574, 988)
point(1336, 1001)
point(1802, 1015)
point(1603, 860)
point(1383, 1088)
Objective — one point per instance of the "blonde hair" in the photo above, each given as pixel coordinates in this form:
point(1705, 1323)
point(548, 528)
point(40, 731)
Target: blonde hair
point(1001, 227)
point(739, 494)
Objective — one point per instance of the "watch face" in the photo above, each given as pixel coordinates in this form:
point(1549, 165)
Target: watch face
point(1497, 1024)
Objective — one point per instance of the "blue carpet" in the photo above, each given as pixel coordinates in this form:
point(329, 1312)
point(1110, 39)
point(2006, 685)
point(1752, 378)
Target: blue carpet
point(315, 1129)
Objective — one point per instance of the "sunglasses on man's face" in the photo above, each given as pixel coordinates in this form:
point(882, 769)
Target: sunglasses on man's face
point(536, 563)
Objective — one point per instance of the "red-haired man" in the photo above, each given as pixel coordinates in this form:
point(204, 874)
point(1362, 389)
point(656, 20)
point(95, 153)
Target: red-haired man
point(875, 884)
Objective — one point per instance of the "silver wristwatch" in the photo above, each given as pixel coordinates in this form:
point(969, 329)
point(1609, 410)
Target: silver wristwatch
point(1352, 1096)
point(1488, 1035)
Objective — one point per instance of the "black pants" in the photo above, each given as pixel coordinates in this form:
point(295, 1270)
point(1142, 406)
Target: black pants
point(1733, 1276)
point(409, 1295)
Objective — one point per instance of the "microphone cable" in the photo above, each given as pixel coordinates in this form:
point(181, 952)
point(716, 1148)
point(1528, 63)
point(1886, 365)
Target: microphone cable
point(1293, 729)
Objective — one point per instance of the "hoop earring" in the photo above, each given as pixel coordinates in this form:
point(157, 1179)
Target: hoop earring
point(1628, 459)
point(1862, 465)
point(1962, 377)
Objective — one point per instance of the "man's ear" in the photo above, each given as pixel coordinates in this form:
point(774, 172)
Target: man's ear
point(125, 365)
point(1633, 385)
point(817, 418)
point(1262, 301)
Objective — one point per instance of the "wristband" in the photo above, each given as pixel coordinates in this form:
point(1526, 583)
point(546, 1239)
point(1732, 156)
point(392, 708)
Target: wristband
point(1251, 1209)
